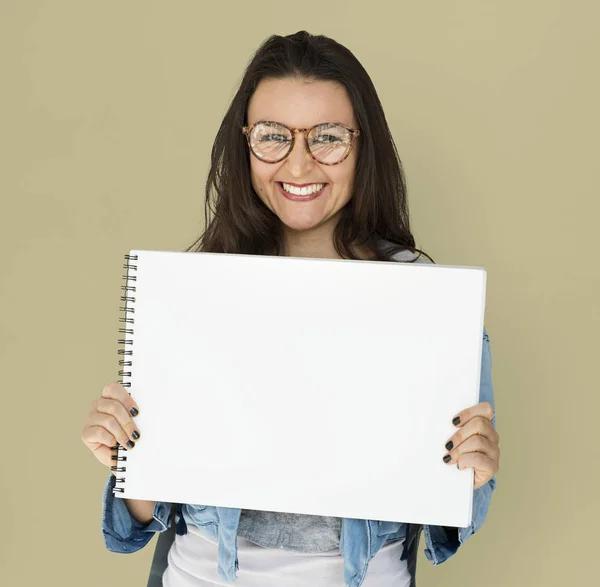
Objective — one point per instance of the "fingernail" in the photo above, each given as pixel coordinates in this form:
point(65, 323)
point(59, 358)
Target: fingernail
point(449, 445)
point(130, 443)
point(133, 412)
point(135, 434)
point(456, 421)
point(447, 458)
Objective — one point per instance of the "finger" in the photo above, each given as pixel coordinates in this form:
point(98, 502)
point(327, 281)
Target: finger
point(484, 465)
point(474, 444)
point(483, 409)
point(104, 454)
point(98, 435)
point(101, 442)
point(116, 409)
point(477, 425)
point(112, 426)
point(115, 390)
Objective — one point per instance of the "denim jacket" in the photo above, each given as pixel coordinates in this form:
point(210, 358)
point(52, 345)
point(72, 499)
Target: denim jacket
point(359, 539)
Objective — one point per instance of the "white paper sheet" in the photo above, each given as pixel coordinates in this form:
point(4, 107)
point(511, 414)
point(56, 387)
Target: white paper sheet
point(311, 386)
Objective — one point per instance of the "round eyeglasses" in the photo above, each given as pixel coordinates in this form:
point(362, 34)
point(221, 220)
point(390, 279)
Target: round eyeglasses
point(328, 143)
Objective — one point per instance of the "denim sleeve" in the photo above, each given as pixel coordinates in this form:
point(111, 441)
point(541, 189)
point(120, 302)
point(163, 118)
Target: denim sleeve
point(442, 543)
point(121, 531)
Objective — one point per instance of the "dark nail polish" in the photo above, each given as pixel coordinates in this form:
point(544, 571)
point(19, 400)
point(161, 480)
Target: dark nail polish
point(449, 444)
point(135, 434)
point(133, 412)
point(130, 443)
point(456, 421)
point(447, 458)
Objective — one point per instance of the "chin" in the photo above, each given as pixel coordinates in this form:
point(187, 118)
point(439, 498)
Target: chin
point(300, 224)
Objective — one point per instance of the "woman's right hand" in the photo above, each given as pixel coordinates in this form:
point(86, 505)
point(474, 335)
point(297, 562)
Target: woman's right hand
point(110, 421)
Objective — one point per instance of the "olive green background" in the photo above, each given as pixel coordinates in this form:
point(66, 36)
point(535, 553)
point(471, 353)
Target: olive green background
point(108, 114)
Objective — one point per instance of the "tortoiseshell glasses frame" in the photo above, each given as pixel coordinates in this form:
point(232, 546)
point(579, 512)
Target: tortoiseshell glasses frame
point(354, 132)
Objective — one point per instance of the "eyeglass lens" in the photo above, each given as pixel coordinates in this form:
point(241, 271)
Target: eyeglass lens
point(328, 143)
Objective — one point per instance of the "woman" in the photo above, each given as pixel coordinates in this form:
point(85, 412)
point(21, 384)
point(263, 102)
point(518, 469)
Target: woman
point(303, 165)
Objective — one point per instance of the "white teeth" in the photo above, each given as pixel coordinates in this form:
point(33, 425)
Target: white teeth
point(304, 191)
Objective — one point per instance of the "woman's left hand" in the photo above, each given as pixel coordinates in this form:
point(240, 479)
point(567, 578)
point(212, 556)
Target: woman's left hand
point(476, 443)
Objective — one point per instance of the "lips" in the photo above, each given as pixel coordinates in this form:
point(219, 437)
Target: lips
point(296, 198)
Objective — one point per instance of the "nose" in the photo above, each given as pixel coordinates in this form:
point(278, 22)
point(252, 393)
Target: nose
point(299, 161)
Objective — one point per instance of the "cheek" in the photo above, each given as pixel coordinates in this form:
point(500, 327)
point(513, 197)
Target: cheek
point(261, 177)
point(344, 180)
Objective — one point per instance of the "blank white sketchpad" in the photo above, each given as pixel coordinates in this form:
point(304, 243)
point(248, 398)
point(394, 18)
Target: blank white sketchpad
point(313, 386)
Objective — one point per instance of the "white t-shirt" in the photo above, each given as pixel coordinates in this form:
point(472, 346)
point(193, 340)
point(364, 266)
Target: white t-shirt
point(192, 562)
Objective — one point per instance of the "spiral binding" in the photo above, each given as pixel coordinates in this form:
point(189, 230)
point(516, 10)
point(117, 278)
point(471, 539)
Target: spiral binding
point(127, 342)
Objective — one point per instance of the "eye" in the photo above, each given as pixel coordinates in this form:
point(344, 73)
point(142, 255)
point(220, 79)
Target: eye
point(326, 139)
point(277, 138)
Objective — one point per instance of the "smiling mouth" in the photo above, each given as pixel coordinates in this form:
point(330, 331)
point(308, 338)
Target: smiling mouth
point(300, 197)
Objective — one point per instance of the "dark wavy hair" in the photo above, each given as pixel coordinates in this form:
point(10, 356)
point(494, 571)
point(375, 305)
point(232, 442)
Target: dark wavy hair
point(376, 216)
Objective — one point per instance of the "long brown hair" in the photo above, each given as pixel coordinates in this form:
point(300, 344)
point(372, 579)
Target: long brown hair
point(376, 216)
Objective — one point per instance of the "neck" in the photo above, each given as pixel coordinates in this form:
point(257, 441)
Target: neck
point(315, 243)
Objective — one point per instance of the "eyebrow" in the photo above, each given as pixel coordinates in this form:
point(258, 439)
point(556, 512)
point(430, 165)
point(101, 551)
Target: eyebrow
point(307, 127)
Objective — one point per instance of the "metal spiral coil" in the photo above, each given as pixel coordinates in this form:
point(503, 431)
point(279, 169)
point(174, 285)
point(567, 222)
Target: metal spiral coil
point(128, 310)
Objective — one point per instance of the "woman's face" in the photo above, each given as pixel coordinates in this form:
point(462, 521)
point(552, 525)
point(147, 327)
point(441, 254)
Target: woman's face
point(302, 104)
